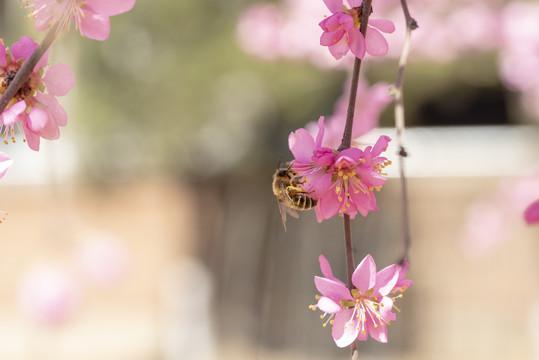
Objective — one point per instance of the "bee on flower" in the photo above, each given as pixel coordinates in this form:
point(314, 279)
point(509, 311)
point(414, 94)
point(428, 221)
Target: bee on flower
point(342, 183)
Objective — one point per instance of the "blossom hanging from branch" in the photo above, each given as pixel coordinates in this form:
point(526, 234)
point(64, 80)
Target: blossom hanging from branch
point(33, 112)
point(91, 17)
point(341, 31)
point(365, 310)
point(343, 183)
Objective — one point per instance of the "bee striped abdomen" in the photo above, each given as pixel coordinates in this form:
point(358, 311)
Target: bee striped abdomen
point(304, 202)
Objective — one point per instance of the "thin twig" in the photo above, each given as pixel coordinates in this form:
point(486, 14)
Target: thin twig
point(26, 70)
point(397, 93)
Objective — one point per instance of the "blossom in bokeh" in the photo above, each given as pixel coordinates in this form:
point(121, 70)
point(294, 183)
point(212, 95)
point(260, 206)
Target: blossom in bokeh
point(531, 215)
point(343, 183)
point(31, 111)
point(48, 295)
point(91, 17)
point(341, 31)
point(103, 259)
point(364, 310)
point(370, 102)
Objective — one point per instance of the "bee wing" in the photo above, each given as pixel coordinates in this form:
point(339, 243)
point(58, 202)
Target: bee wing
point(282, 211)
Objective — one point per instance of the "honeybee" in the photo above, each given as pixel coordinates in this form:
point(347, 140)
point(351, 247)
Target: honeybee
point(290, 196)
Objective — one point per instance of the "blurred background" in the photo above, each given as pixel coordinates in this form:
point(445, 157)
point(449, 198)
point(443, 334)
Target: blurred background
point(148, 231)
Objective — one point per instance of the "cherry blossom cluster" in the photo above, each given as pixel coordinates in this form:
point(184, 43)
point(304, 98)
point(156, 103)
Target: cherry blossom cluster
point(342, 182)
point(366, 309)
point(32, 111)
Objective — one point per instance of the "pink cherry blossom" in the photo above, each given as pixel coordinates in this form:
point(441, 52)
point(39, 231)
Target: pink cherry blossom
point(366, 309)
point(91, 17)
point(531, 215)
point(48, 295)
point(343, 183)
point(31, 111)
point(341, 31)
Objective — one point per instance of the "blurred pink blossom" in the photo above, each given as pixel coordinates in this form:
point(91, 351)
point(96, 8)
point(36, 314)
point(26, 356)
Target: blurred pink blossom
point(103, 259)
point(48, 295)
point(531, 215)
point(492, 218)
point(31, 110)
point(366, 309)
point(370, 102)
point(91, 17)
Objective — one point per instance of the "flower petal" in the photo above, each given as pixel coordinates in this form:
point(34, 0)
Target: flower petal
point(302, 145)
point(5, 163)
point(345, 330)
point(531, 215)
point(378, 333)
point(324, 265)
point(386, 26)
point(386, 279)
point(95, 26)
point(59, 79)
point(23, 48)
point(364, 277)
point(381, 145)
point(329, 306)
point(37, 119)
point(339, 49)
point(32, 139)
point(110, 7)
point(14, 113)
point(356, 43)
point(334, 5)
point(332, 289)
point(320, 135)
point(376, 43)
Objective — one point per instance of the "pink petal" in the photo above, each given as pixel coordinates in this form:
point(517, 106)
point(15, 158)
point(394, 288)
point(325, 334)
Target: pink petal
point(343, 332)
point(31, 138)
point(376, 43)
point(95, 26)
point(356, 43)
point(339, 49)
point(321, 186)
point(383, 25)
point(329, 306)
point(5, 163)
point(59, 80)
point(329, 205)
point(320, 135)
point(332, 289)
point(364, 277)
point(56, 110)
point(2, 55)
point(355, 3)
point(324, 264)
point(386, 279)
point(302, 145)
point(110, 7)
point(531, 215)
point(14, 113)
point(23, 48)
point(37, 119)
point(381, 145)
point(334, 5)
point(378, 333)
point(331, 38)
